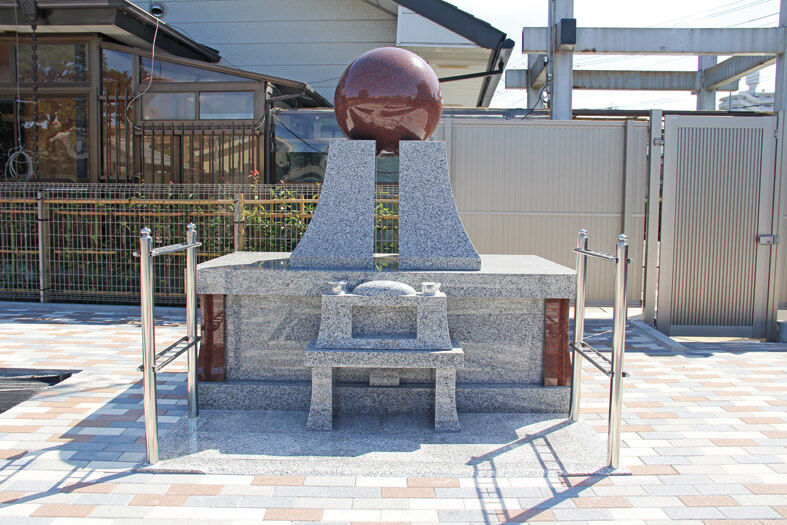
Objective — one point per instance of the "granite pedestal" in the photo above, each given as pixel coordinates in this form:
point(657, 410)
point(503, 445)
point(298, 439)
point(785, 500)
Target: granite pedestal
point(509, 318)
point(341, 233)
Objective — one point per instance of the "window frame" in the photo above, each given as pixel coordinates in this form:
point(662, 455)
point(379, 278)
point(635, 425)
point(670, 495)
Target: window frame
point(88, 41)
point(88, 89)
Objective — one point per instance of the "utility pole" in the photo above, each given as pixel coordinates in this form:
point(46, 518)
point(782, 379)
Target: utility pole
point(561, 60)
point(780, 97)
point(706, 98)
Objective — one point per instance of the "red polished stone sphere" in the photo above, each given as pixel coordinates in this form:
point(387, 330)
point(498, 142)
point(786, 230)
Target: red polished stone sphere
point(387, 95)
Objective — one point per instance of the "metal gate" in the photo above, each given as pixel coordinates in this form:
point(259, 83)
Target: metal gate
point(717, 216)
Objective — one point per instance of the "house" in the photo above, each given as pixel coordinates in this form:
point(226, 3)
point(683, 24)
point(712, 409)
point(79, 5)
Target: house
point(312, 41)
point(99, 102)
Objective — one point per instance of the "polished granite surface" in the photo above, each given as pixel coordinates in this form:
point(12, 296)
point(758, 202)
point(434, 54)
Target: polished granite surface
point(388, 94)
point(276, 442)
point(270, 273)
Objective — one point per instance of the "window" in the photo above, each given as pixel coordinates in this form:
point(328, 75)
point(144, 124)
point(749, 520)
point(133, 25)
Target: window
point(116, 69)
point(56, 63)
point(226, 105)
point(61, 130)
point(169, 72)
point(169, 106)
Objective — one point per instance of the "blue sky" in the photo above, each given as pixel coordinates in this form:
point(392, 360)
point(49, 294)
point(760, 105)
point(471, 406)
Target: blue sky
point(511, 15)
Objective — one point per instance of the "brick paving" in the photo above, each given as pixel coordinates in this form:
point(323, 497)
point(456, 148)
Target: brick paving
point(704, 434)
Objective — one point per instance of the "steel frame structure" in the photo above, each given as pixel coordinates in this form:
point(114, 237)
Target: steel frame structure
point(751, 49)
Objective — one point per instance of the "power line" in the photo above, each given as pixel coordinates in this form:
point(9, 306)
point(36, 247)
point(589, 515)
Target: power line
point(755, 19)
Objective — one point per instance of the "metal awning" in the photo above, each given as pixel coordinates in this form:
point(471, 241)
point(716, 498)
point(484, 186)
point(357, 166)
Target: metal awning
point(118, 19)
point(476, 58)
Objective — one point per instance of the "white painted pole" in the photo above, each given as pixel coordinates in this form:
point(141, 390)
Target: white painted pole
point(706, 98)
point(562, 63)
point(780, 97)
point(533, 92)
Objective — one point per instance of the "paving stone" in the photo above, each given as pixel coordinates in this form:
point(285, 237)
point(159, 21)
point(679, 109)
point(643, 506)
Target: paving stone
point(694, 513)
point(702, 428)
point(582, 514)
point(751, 513)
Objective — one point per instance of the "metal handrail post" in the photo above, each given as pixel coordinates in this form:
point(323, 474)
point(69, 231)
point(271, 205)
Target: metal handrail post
point(148, 346)
point(618, 345)
point(191, 318)
point(579, 325)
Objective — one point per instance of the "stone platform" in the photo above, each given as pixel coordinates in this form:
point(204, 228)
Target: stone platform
point(488, 446)
point(510, 318)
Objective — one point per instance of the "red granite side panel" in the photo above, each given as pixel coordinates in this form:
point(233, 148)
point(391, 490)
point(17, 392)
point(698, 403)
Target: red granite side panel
point(211, 361)
point(557, 359)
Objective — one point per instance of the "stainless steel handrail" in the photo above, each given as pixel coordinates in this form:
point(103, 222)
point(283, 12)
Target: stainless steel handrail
point(168, 355)
point(174, 248)
point(595, 253)
point(585, 350)
point(581, 349)
point(150, 365)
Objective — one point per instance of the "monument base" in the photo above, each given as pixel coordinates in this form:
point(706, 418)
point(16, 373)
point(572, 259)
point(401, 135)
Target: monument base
point(510, 319)
point(360, 398)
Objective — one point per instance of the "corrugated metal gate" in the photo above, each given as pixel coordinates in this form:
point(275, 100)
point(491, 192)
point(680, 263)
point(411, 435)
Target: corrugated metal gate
point(718, 189)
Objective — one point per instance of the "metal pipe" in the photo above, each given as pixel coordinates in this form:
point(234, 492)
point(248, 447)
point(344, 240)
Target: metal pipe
point(578, 349)
point(579, 324)
point(191, 317)
point(618, 346)
point(42, 266)
point(597, 254)
point(155, 252)
point(148, 346)
point(236, 223)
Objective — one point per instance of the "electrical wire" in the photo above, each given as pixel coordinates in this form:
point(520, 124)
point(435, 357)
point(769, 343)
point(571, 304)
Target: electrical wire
point(18, 157)
point(150, 78)
point(322, 81)
point(754, 19)
point(535, 105)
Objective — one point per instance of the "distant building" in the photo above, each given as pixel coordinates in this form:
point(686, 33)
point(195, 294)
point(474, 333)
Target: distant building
point(748, 100)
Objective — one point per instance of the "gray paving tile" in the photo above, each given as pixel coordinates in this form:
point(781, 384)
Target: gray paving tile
point(582, 514)
point(699, 513)
point(751, 513)
point(214, 501)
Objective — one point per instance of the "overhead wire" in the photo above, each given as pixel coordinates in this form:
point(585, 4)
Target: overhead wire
point(152, 71)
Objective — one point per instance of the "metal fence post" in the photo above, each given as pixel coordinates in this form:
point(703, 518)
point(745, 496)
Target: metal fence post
point(237, 213)
point(191, 318)
point(579, 326)
point(618, 345)
point(148, 346)
point(42, 217)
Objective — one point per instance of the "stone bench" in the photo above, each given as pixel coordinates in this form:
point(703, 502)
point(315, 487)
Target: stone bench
point(323, 361)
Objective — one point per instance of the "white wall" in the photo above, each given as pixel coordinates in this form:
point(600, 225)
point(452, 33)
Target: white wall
point(307, 40)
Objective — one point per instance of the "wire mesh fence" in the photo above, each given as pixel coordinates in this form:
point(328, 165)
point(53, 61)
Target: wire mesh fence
point(75, 243)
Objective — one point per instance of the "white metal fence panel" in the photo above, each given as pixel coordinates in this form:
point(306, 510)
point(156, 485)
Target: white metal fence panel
point(717, 199)
point(527, 187)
